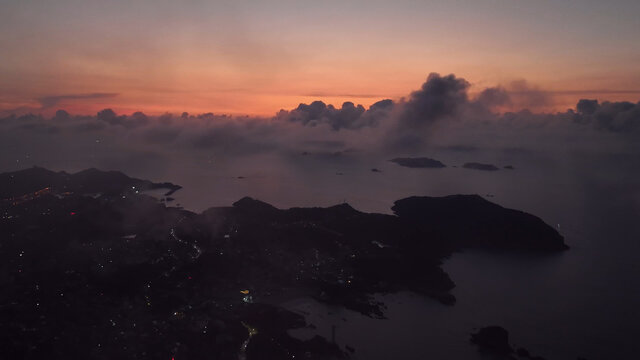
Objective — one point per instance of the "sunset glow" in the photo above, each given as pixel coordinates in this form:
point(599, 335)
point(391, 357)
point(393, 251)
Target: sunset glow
point(255, 57)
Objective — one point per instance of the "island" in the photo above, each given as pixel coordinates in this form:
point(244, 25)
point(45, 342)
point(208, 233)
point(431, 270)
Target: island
point(493, 341)
point(480, 166)
point(91, 267)
point(419, 162)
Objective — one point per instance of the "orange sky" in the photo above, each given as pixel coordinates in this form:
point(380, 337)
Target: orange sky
point(245, 57)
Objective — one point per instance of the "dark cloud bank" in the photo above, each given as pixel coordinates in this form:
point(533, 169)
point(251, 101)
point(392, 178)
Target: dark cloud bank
point(440, 113)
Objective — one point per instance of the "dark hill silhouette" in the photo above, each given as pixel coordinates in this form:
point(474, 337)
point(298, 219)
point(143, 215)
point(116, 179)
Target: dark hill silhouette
point(88, 181)
point(472, 221)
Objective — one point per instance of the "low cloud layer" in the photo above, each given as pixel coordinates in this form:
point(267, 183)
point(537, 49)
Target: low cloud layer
point(441, 113)
point(617, 117)
point(349, 116)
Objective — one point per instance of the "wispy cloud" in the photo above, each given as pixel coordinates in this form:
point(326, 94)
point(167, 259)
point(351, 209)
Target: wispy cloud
point(53, 100)
point(344, 95)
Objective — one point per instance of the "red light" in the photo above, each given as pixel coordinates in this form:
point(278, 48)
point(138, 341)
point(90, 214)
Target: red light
point(72, 213)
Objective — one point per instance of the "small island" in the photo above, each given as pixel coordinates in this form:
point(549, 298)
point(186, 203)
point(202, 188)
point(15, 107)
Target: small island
point(493, 341)
point(419, 162)
point(480, 166)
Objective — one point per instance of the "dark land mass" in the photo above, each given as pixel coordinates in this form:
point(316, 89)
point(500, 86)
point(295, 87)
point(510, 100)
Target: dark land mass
point(462, 221)
point(509, 167)
point(90, 269)
point(90, 181)
point(479, 166)
point(494, 342)
point(421, 162)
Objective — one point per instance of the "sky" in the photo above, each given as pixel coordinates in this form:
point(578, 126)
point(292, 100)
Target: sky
point(257, 57)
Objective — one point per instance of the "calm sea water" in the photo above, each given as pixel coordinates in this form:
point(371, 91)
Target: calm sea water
point(583, 302)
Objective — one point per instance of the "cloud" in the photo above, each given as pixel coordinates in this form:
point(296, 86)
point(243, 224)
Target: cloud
point(53, 100)
point(524, 95)
point(616, 117)
point(494, 97)
point(110, 117)
point(236, 138)
point(61, 115)
point(439, 100)
point(343, 95)
point(349, 116)
point(161, 134)
point(440, 97)
point(587, 107)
